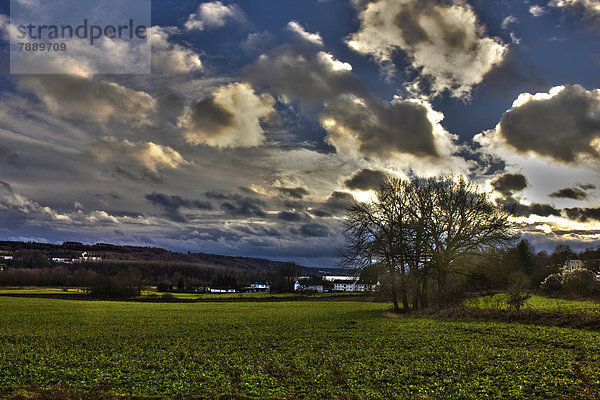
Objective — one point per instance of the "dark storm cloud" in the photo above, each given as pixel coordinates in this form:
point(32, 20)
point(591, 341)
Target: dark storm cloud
point(382, 128)
point(238, 205)
point(583, 214)
point(6, 186)
point(366, 179)
point(303, 73)
point(296, 193)
point(258, 230)
point(321, 213)
point(314, 230)
point(172, 204)
point(569, 193)
point(522, 210)
point(509, 183)
point(561, 127)
point(586, 186)
point(339, 202)
point(209, 117)
point(291, 216)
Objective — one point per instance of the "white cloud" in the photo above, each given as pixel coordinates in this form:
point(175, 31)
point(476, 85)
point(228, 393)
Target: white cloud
point(214, 15)
point(171, 58)
point(537, 11)
point(230, 118)
point(400, 134)
point(146, 157)
point(562, 125)
point(444, 42)
point(511, 19)
point(314, 38)
point(336, 65)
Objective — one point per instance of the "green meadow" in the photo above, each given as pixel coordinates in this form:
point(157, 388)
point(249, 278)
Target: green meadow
point(281, 350)
point(538, 303)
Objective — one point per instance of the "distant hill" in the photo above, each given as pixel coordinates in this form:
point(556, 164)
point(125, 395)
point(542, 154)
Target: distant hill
point(151, 254)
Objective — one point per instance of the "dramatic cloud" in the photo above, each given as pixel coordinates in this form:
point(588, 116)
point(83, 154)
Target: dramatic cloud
point(366, 179)
point(136, 160)
point(442, 39)
point(290, 216)
point(563, 124)
point(172, 204)
point(214, 15)
point(507, 184)
point(70, 95)
point(339, 202)
point(296, 193)
point(230, 118)
point(171, 58)
point(583, 214)
point(314, 230)
point(314, 38)
point(305, 74)
point(523, 210)
point(376, 128)
point(237, 205)
point(569, 193)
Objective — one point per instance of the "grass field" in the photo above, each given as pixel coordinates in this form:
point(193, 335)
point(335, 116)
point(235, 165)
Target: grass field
point(45, 291)
point(294, 350)
point(538, 303)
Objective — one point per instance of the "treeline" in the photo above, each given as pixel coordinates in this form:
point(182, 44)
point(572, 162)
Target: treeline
point(169, 276)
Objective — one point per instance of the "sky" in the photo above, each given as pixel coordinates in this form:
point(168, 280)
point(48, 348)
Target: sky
point(261, 119)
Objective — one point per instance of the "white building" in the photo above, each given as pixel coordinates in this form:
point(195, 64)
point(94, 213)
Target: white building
point(308, 288)
point(353, 285)
point(85, 256)
point(63, 260)
point(572, 265)
point(213, 290)
point(259, 287)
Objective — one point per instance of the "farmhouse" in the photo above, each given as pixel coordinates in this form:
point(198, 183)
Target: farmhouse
point(85, 257)
point(339, 283)
point(572, 265)
point(259, 287)
point(215, 290)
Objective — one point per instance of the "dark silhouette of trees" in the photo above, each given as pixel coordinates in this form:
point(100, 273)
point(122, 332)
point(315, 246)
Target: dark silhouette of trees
point(420, 232)
point(286, 277)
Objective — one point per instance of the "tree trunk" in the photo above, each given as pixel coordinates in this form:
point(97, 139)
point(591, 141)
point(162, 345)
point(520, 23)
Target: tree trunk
point(395, 294)
point(405, 305)
point(424, 299)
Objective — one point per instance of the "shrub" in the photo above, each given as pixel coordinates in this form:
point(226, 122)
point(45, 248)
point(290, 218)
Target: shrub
point(580, 282)
point(516, 298)
point(552, 283)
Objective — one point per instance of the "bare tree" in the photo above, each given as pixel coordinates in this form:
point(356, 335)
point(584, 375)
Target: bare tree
point(464, 222)
point(377, 232)
point(420, 230)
